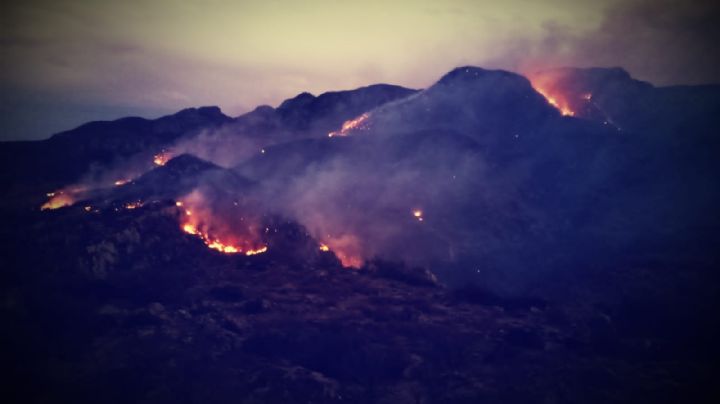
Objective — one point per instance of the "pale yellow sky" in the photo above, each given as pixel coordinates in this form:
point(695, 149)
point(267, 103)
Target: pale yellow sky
point(164, 55)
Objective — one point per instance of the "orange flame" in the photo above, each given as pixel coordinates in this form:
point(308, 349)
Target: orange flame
point(200, 222)
point(133, 205)
point(255, 252)
point(214, 244)
point(346, 248)
point(57, 200)
point(556, 101)
point(63, 197)
point(162, 158)
point(358, 123)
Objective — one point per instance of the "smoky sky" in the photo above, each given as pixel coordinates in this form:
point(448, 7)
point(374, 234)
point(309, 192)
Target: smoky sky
point(68, 62)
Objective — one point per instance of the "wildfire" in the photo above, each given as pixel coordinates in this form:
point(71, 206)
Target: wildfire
point(214, 244)
point(347, 249)
point(190, 229)
point(63, 197)
point(560, 105)
point(418, 214)
point(57, 200)
point(199, 222)
point(162, 158)
point(360, 122)
point(255, 252)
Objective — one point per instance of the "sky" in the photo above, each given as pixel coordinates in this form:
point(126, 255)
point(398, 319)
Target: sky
point(66, 62)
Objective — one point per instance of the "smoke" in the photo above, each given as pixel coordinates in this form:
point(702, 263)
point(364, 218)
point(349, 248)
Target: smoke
point(457, 152)
point(665, 42)
point(224, 222)
point(226, 146)
point(508, 189)
point(361, 202)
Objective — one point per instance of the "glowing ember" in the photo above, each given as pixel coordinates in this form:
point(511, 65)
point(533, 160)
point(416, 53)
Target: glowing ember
point(133, 205)
point(324, 247)
point(351, 125)
point(119, 183)
point(418, 214)
point(587, 96)
point(88, 208)
point(58, 200)
point(162, 158)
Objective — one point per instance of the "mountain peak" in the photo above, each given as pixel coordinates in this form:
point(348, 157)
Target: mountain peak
point(486, 105)
point(298, 101)
point(212, 112)
point(186, 162)
point(320, 114)
point(465, 74)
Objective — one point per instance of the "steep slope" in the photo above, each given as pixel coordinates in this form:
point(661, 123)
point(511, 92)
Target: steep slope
point(501, 178)
point(66, 156)
point(485, 104)
point(101, 149)
point(304, 116)
point(176, 178)
point(327, 111)
point(612, 95)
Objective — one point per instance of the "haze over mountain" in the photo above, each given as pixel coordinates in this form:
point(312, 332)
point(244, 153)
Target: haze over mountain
point(499, 172)
point(477, 239)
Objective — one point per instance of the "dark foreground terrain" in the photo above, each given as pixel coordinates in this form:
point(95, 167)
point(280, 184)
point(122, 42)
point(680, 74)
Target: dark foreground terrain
point(121, 307)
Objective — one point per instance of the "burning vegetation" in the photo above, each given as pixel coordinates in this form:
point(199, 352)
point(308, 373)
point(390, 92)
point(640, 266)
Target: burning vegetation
point(162, 158)
point(198, 219)
point(63, 197)
point(57, 200)
point(570, 102)
point(359, 123)
point(133, 205)
point(556, 100)
point(347, 248)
